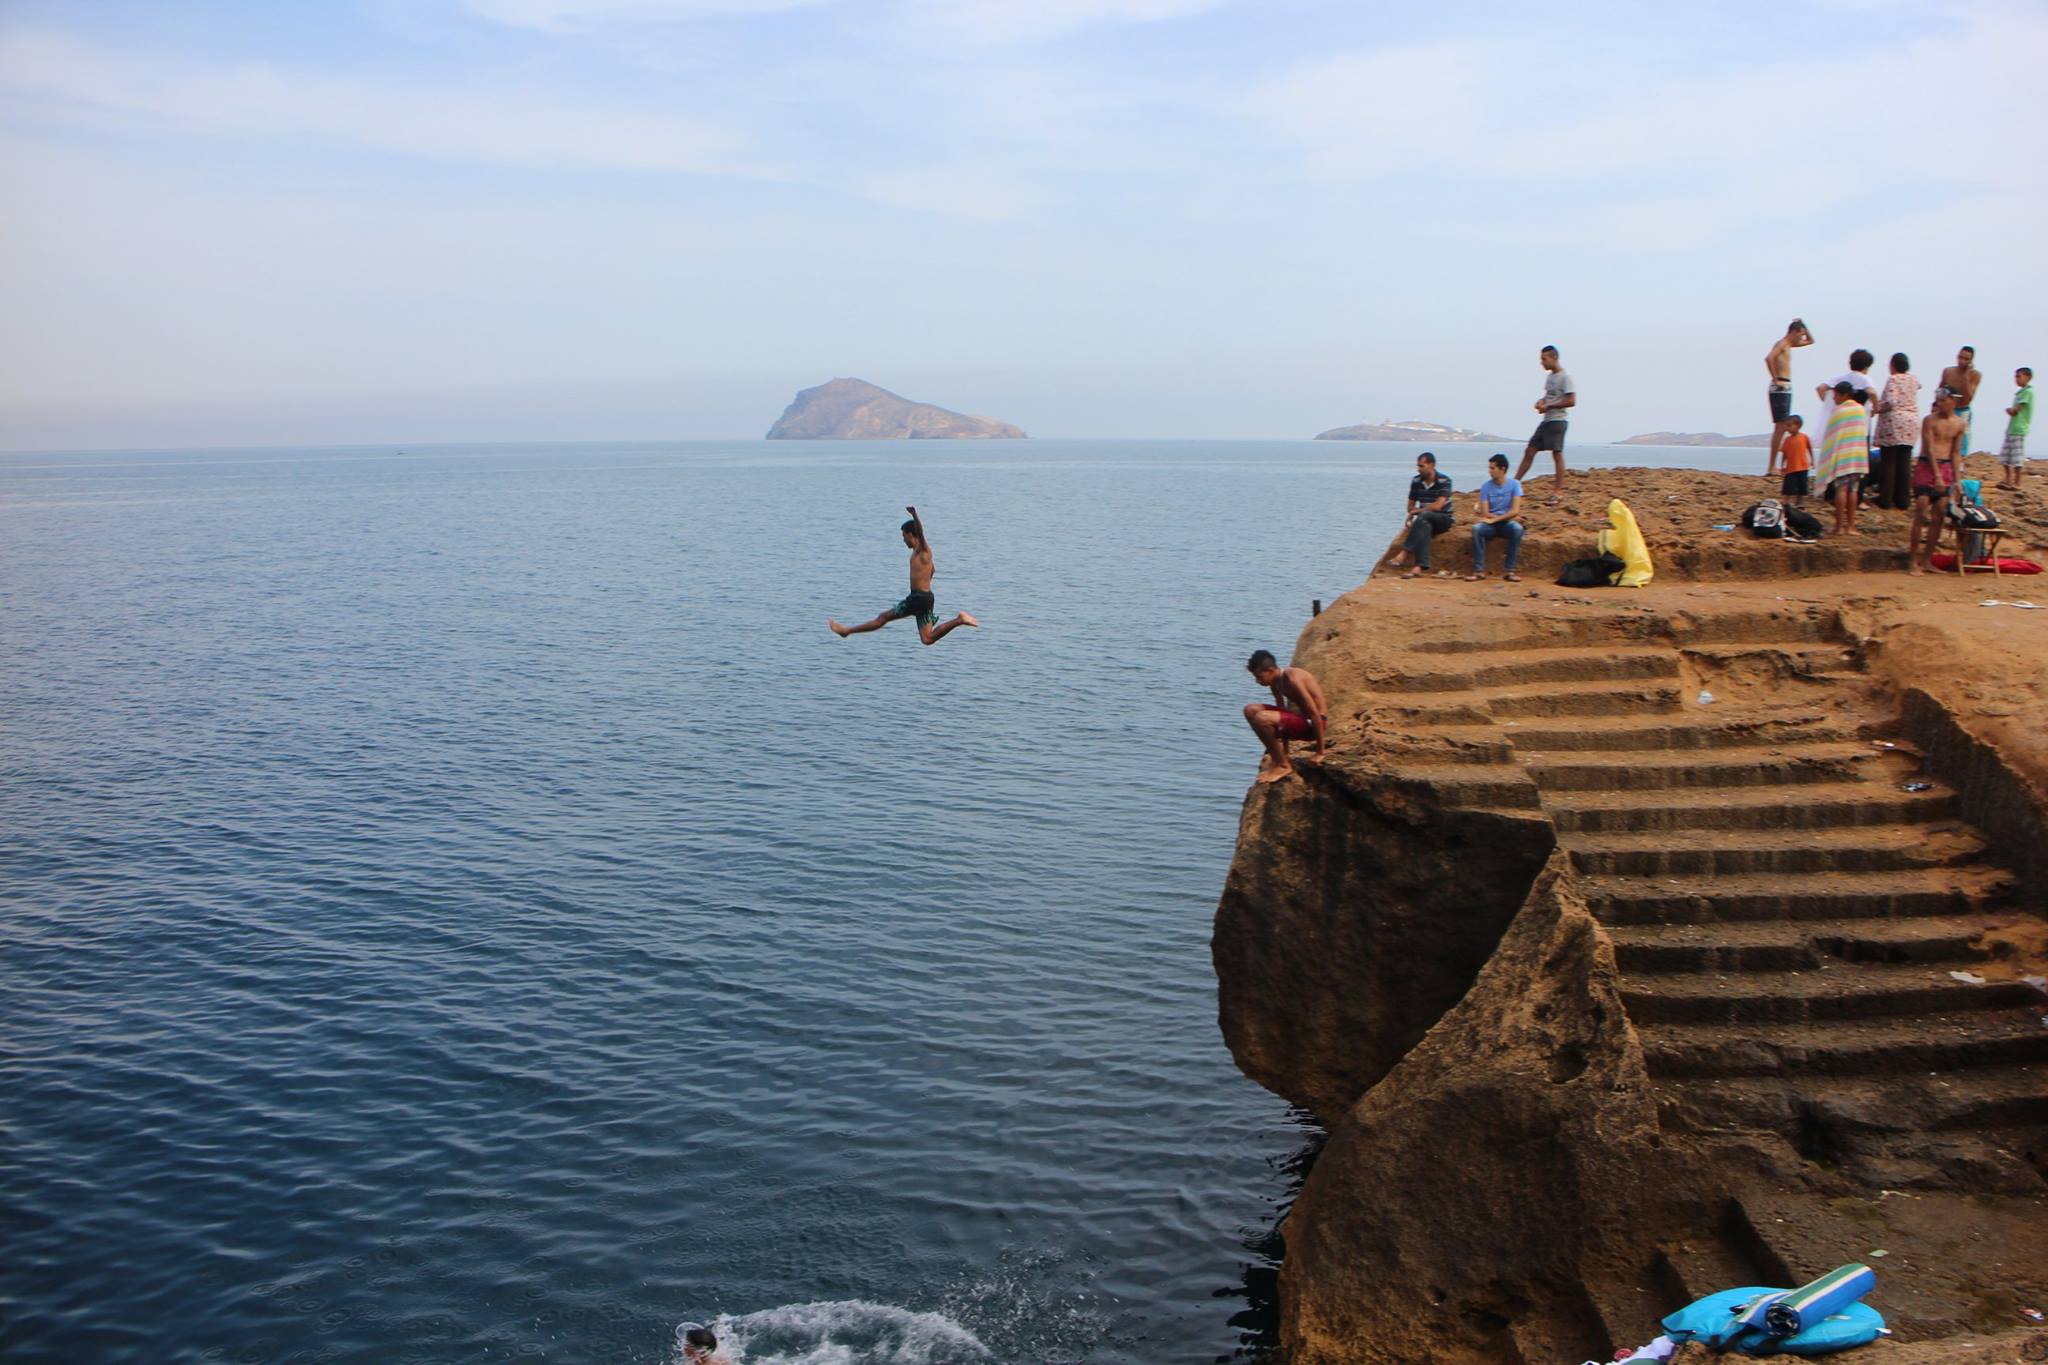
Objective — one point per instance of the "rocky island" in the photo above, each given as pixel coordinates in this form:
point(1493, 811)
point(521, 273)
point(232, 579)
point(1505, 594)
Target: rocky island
point(1632, 945)
point(1761, 440)
point(855, 410)
point(1429, 432)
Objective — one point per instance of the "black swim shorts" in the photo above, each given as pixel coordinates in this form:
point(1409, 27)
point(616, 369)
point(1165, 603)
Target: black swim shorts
point(1781, 403)
point(1795, 485)
point(1549, 436)
point(920, 604)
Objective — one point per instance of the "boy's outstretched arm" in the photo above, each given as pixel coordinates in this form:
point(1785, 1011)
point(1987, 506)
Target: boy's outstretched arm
point(916, 521)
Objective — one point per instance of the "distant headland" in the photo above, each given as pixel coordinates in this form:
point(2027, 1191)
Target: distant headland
point(1761, 440)
point(1409, 431)
point(855, 410)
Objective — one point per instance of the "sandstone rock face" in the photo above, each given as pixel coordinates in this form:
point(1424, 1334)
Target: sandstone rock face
point(1460, 1208)
point(855, 410)
point(1357, 913)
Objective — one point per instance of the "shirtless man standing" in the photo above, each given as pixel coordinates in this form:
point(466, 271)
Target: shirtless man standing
point(1778, 362)
point(1934, 475)
point(920, 603)
point(1962, 379)
point(1300, 713)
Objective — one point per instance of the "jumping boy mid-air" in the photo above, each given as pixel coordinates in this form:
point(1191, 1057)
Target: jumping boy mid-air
point(920, 603)
point(1300, 714)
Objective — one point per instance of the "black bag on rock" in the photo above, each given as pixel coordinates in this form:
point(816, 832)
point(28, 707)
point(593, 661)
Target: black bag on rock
point(1597, 572)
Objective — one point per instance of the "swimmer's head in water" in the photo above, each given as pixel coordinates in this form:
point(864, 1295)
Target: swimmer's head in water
point(701, 1336)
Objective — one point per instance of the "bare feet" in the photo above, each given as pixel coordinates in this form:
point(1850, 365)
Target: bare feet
point(841, 631)
point(967, 620)
point(1916, 571)
point(1275, 774)
point(1311, 759)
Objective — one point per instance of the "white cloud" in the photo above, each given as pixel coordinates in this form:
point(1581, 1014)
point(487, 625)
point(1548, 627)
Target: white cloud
point(992, 22)
point(263, 100)
point(561, 15)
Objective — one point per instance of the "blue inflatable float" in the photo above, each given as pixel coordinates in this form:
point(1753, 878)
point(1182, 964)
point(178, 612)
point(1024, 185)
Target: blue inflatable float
point(1811, 1320)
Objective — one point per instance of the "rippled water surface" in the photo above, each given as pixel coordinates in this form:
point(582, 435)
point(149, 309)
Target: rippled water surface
point(463, 905)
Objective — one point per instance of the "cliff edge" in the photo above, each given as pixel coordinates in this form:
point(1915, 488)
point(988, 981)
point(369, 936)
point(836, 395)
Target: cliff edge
point(1632, 945)
point(855, 410)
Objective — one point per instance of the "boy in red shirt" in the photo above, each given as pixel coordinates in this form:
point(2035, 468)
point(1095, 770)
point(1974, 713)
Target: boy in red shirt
point(1798, 452)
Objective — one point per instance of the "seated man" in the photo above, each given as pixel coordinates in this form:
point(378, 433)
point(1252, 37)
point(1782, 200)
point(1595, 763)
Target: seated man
point(1429, 515)
point(1299, 713)
point(1497, 515)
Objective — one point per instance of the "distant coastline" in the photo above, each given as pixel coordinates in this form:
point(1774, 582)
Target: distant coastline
point(1413, 430)
point(855, 410)
point(1760, 440)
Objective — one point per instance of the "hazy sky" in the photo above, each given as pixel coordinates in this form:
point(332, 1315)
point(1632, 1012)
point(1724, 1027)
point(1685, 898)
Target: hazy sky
point(245, 221)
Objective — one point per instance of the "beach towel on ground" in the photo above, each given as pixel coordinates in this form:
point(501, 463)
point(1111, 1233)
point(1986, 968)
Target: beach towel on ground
point(1845, 450)
point(1624, 538)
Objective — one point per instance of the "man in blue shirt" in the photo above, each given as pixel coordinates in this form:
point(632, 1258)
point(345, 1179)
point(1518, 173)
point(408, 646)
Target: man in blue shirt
point(1497, 515)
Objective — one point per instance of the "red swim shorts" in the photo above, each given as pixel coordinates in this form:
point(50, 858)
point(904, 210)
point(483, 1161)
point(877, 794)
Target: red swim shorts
point(1291, 725)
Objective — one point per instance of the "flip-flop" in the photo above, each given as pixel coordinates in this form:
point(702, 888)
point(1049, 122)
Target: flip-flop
point(1475, 578)
point(1512, 578)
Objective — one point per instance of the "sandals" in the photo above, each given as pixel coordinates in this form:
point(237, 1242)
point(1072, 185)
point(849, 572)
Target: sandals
point(1512, 578)
point(1475, 578)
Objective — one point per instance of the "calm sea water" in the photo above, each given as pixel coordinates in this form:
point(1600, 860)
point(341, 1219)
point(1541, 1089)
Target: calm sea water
point(463, 905)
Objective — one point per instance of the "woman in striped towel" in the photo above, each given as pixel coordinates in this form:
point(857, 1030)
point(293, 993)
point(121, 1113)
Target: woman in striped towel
point(1844, 457)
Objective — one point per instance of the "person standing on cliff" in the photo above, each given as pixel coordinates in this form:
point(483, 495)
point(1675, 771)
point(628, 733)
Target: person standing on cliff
point(920, 603)
point(1934, 477)
point(1299, 712)
point(1559, 396)
point(1778, 363)
point(1962, 379)
point(2012, 456)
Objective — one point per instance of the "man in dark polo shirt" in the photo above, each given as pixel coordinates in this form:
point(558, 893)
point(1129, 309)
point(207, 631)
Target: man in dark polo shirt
point(1429, 515)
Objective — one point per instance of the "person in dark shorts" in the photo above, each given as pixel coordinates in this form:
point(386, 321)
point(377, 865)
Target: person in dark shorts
point(1798, 454)
point(920, 604)
point(1559, 396)
point(1778, 362)
point(1298, 713)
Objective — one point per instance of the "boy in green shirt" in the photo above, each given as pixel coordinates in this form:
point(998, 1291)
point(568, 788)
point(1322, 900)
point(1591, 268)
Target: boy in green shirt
point(2012, 458)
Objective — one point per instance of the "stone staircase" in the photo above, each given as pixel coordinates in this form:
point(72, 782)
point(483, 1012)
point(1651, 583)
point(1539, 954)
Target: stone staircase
point(1785, 913)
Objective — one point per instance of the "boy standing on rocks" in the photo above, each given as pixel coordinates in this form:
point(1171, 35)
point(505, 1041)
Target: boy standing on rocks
point(1934, 477)
point(2012, 457)
point(920, 603)
point(1299, 713)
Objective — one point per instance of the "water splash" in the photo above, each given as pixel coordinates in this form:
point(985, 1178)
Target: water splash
point(844, 1332)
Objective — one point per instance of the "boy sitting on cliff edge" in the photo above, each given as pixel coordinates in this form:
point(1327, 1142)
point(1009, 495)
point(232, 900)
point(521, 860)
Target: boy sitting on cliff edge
point(1300, 714)
point(920, 603)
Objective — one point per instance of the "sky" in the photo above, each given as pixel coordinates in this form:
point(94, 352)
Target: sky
point(241, 222)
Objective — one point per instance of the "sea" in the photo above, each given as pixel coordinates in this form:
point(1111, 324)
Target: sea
point(462, 904)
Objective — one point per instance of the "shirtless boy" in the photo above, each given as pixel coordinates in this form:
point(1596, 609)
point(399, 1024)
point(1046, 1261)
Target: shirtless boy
point(920, 603)
point(1962, 379)
point(1934, 475)
point(1778, 363)
point(1299, 714)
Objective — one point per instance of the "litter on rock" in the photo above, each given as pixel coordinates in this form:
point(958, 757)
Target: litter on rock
point(1882, 744)
point(1917, 787)
point(2039, 983)
point(2034, 1315)
point(2023, 606)
point(1706, 697)
point(1970, 978)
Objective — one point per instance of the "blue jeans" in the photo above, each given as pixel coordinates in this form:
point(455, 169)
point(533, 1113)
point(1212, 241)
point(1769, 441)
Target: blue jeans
point(1510, 531)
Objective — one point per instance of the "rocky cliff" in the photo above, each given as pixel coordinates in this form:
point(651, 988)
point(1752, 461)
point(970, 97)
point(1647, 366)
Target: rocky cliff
point(855, 410)
point(1634, 945)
